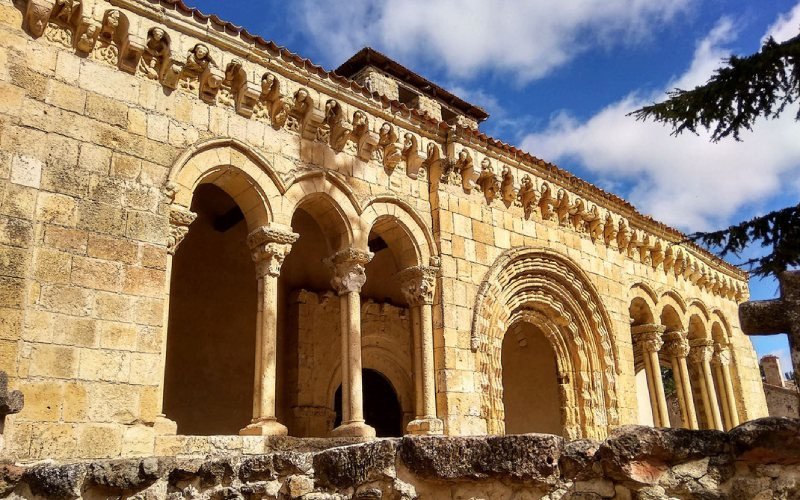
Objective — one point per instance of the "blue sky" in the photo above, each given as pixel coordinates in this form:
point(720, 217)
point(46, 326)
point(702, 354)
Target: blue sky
point(558, 78)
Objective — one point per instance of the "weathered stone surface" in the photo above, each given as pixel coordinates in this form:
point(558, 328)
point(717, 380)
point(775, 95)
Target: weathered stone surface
point(577, 459)
point(643, 454)
point(128, 474)
point(10, 475)
point(528, 457)
point(56, 481)
point(767, 440)
point(10, 401)
point(350, 466)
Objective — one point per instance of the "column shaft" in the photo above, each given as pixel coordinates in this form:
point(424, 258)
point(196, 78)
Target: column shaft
point(269, 246)
point(688, 396)
point(728, 383)
point(712, 395)
point(344, 323)
point(719, 382)
point(354, 362)
point(659, 384)
point(428, 373)
point(416, 327)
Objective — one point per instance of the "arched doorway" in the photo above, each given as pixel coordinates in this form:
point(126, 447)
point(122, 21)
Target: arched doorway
point(531, 399)
point(208, 379)
point(381, 409)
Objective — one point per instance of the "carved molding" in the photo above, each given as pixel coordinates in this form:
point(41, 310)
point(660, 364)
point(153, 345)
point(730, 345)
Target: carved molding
point(676, 344)
point(649, 337)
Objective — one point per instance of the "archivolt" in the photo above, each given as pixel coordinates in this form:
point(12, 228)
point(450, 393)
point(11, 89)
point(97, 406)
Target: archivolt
point(546, 289)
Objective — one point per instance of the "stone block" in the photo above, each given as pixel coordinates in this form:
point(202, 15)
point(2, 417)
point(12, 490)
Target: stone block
point(51, 266)
point(147, 227)
point(104, 365)
point(65, 299)
point(109, 402)
point(99, 440)
point(118, 335)
point(144, 281)
point(68, 240)
point(57, 209)
point(101, 218)
point(26, 170)
point(66, 96)
point(53, 361)
point(19, 201)
point(106, 109)
point(96, 274)
point(43, 400)
point(75, 403)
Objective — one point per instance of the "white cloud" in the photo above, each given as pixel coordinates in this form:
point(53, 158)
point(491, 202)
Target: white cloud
point(523, 38)
point(685, 181)
point(786, 26)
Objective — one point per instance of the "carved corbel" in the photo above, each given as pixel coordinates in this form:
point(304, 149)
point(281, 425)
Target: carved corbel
point(508, 190)
point(609, 229)
point(576, 212)
point(656, 255)
point(243, 94)
point(391, 150)
point(527, 196)
point(411, 154)
point(433, 160)
point(171, 74)
point(644, 249)
point(309, 118)
point(67, 12)
point(180, 218)
point(337, 123)
point(210, 83)
point(680, 263)
point(37, 15)
point(669, 259)
point(488, 181)
point(623, 236)
point(131, 53)
point(155, 55)
point(365, 139)
point(561, 206)
point(271, 102)
point(592, 223)
point(465, 167)
point(88, 31)
point(546, 202)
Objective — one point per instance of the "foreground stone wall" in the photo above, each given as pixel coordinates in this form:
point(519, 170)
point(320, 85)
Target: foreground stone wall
point(760, 459)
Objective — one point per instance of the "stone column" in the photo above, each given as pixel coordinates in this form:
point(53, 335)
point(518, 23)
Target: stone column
point(649, 338)
point(269, 247)
point(700, 356)
point(180, 218)
point(418, 284)
point(348, 278)
point(721, 361)
point(677, 346)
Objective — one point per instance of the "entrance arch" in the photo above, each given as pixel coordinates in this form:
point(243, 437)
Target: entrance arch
point(382, 409)
point(531, 400)
point(546, 289)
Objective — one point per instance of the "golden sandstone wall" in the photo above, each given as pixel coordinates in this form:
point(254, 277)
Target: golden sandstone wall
point(107, 127)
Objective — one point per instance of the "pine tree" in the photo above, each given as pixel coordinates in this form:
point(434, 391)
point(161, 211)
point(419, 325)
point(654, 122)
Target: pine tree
point(763, 84)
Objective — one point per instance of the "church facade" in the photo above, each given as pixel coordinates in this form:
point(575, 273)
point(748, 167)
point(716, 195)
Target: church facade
point(208, 240)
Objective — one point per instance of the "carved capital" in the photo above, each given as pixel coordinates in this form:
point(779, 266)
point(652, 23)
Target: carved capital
point(722, 355)
point(180, 218)
point(649, 337)
point(701, 350)
point(348, 270)
point(418, 284)
point(676, 344)
point(269, 247)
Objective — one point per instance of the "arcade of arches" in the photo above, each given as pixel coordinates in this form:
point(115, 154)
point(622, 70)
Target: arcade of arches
point(324, 326)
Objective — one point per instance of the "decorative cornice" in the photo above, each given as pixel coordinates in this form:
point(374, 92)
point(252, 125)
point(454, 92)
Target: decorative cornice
point(481, 164)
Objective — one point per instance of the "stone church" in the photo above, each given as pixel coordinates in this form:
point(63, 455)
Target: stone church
point(208, 240)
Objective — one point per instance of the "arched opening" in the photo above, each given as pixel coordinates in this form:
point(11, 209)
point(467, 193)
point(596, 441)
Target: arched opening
point(208, 379)
point(644, 406)
point(671, 322)
point(381, 409)
point(531, 399)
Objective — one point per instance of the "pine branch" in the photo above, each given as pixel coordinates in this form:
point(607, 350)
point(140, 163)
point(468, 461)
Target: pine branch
point(762, 84)
point(779, 230)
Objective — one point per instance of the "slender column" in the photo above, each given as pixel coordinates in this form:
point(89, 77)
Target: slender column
point(677, 346)
point(649, 337)
point(180, 218)
point(418, 284)
point(348, 278)
point(700, 356)
point(722, 361)
point(269, 246)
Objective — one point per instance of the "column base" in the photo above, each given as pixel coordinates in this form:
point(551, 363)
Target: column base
point(356, 428)
point(162, 426)
point(265, 427)
point(430, 426)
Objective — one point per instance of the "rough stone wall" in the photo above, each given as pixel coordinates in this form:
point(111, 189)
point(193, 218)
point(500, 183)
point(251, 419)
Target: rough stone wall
point(760, 459)
point(98, 162)
point(782, 401)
